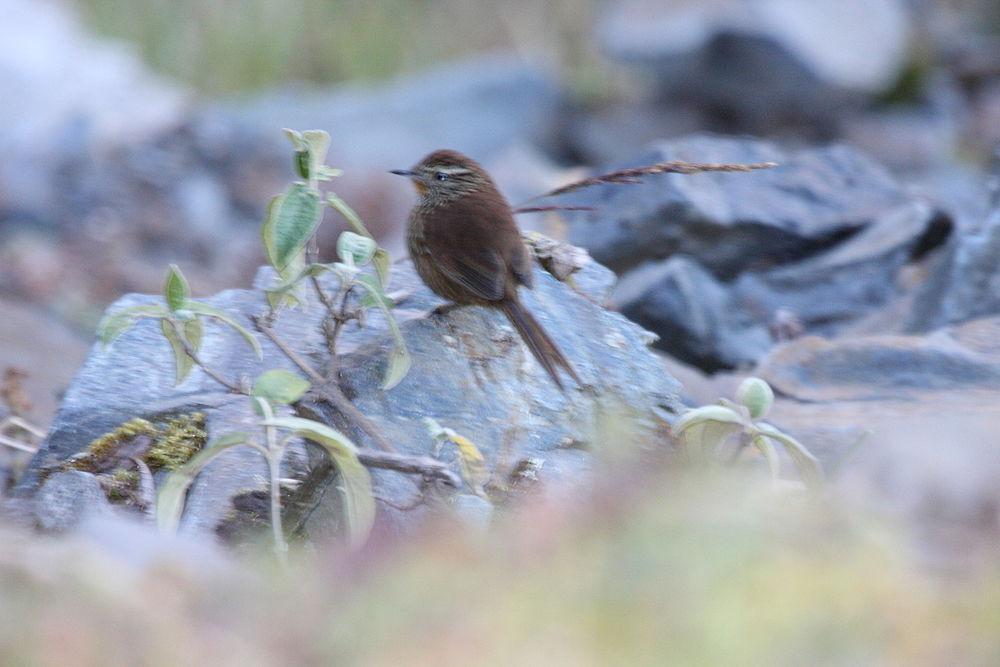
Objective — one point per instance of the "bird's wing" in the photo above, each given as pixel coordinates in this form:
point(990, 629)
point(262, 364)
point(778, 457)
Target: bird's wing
point(468, 247)
point(481, 272)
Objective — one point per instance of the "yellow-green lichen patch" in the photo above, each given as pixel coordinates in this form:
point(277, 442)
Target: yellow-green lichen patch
point(179, 439)
point(120, 485)
point(162, 445)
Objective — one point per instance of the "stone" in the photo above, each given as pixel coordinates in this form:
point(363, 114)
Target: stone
point(84, 97)
point(66, 498)
point(694, 315)
point(759, 64)
point(818, 242)
point(732, 222)
point(905, 426)
point(469, 373)
point(965, 282)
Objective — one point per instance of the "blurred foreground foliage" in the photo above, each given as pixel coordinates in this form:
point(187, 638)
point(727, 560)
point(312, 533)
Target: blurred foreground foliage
point(224, 46)
point(668, 569)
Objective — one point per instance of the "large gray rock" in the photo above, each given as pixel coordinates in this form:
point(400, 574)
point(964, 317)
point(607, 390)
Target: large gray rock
point(905, 425)
point(965, 282)
point(818, 240)
point(698, 319)
point(759, 64)
point(66, 93)
point(733, 222)
point(469, 372)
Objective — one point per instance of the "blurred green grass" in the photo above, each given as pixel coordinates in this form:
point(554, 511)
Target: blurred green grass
point(223, 46)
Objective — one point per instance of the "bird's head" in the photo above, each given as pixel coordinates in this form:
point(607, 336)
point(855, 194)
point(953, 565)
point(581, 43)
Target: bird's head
point(445, 175)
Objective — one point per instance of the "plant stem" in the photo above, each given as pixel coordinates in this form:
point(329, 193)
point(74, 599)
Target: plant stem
point(190, 351)
point(415, 465)
point(280, 546)
point(328, 391)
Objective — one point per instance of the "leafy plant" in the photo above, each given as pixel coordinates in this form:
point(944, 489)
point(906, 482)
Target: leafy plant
point(181, 321)
point(705, 432)
point(279, 387)
point(288, 232)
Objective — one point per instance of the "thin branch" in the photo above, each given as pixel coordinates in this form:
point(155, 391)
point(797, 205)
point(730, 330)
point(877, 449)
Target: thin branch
point(190, 351)
point(328, 391)
point(18, 445)
point(414, 465)
point(635, 174)
point(23, 424)
point(543, 209)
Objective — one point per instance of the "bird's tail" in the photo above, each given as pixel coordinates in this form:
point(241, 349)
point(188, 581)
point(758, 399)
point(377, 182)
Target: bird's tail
point(541, 346)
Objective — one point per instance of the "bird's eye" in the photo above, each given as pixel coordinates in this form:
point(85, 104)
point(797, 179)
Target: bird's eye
point(441, 176)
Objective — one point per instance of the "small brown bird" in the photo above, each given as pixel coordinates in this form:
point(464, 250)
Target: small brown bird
point(467, 248)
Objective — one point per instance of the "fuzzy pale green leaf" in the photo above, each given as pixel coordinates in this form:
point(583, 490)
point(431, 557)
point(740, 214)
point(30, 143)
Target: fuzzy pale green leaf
point(192, 330)
point(766, 448)
point(280, 386)
point(170, 499)
point(115, 324)
point(381, 260)
point(399, 358)
point(176, 290)
point(211, 311)
point(756, 396)
point(359, 503)
point(704, 429)
point(360, 249)
point(808, 465)
point(291, 221)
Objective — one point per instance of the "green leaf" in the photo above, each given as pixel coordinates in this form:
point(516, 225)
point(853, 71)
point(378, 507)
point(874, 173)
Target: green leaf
point(115, 324)
point(319, 143)
point(808, 465)
point(770, 455)
point(756, 396)
point(176, 291)
point(383, 266)
point(302, 163)
point(210, 311)
point(170, 500)
point(192, 330)
point(381, 261)
point(399, 359)
point(280, 386)
point(291, 221)
point(360, 249)
point(704, 429)
point(359, 503)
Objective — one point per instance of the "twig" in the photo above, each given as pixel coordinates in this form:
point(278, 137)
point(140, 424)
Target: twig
point(543, 209)
point(15, 444)
point(635, 174)
point(414, 465)
point(23, 424)
point(328, 391)
point(190, 351)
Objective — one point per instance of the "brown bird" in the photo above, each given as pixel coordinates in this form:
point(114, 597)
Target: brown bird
point(467, 248)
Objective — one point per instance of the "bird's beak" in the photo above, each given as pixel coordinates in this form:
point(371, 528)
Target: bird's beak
point(403, 172)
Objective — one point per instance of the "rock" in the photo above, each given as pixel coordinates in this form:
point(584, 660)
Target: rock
point(730, 222)
point(66, 498)
point(84, 97)
point(479, 106)
point(880, 367)
point(819, 240)
point(469, 372)
point(30, 339)
point(904, 425)
point(965, 282)
point(695, 316)
point(760, 64)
